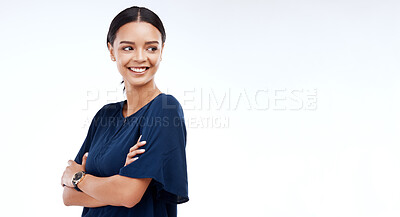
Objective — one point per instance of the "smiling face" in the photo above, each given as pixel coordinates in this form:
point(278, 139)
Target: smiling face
point(137, 51)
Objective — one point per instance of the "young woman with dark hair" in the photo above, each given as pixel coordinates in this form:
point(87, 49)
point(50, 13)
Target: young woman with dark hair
point(133, 161)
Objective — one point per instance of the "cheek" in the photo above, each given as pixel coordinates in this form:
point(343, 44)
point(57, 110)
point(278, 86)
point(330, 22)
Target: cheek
point(154, 59)
point(122, 60)
point(123, 57)
point(120, 65)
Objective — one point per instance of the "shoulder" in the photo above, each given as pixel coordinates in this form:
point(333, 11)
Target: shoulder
point(109, 109)
point(166, 104)
point(164, 115)
point(167, 101)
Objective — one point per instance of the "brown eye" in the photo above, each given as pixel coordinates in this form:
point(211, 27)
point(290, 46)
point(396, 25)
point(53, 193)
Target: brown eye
point(127, 48)
point(152, 49)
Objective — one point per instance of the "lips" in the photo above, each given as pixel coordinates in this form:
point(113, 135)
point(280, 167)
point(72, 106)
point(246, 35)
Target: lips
point(138, 70)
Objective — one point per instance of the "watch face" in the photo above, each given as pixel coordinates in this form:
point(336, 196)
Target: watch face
point(77, 176)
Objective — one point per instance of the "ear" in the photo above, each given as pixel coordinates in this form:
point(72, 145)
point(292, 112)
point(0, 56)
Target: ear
point(111, 49)
point(162, 49)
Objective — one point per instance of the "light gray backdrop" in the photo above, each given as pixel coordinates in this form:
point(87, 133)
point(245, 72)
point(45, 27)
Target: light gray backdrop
point(292, 107)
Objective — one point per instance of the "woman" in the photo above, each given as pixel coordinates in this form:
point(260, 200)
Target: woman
point(110, 175)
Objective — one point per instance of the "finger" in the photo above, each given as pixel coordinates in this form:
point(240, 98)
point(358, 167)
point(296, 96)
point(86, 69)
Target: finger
point(133, 148)
point(131, 160)
point(139, 138)
point(70, 162)
point(84, 158)
point(133, 153)
point(138, 145)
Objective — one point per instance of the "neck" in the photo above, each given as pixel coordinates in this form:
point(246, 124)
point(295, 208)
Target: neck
point(137, 97)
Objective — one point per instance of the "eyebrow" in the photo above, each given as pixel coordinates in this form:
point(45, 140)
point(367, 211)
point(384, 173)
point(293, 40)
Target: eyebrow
point(131, 42)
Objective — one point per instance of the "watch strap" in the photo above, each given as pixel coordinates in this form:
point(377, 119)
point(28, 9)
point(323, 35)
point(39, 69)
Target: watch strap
point(76, 182)
point(76, 188)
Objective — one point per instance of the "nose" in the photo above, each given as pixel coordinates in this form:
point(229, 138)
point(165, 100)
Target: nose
point(139, 56)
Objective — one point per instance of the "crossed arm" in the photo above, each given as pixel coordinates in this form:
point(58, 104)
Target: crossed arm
point(71, 197)
point(115, 190)
point(102, 191)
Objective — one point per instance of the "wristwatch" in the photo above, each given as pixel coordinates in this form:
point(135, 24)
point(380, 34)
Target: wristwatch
point(78, 177)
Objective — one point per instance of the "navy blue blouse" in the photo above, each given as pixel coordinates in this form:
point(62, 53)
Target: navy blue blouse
point(111, 135)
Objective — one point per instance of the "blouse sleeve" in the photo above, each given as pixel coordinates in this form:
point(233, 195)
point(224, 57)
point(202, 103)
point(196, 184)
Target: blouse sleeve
point(164, 159)
point(89, 137)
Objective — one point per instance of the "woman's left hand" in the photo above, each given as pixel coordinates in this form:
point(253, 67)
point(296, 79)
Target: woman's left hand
point(71, 169)
point(134, 150)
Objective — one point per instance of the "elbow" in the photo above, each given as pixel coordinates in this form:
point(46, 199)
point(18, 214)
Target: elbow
point(132, 191)
point(131, 200)
point(130, 203)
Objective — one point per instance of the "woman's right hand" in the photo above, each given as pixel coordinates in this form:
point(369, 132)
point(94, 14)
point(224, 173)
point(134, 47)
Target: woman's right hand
point(130, 157)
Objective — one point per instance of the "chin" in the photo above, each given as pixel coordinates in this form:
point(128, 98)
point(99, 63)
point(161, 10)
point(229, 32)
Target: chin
point(138, 82)
point(139, 79)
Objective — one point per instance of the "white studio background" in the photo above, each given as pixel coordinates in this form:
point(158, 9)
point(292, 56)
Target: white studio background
point(292, 107)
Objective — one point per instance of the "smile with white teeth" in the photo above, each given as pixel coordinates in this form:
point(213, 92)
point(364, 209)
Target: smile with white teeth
point(138, 69)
